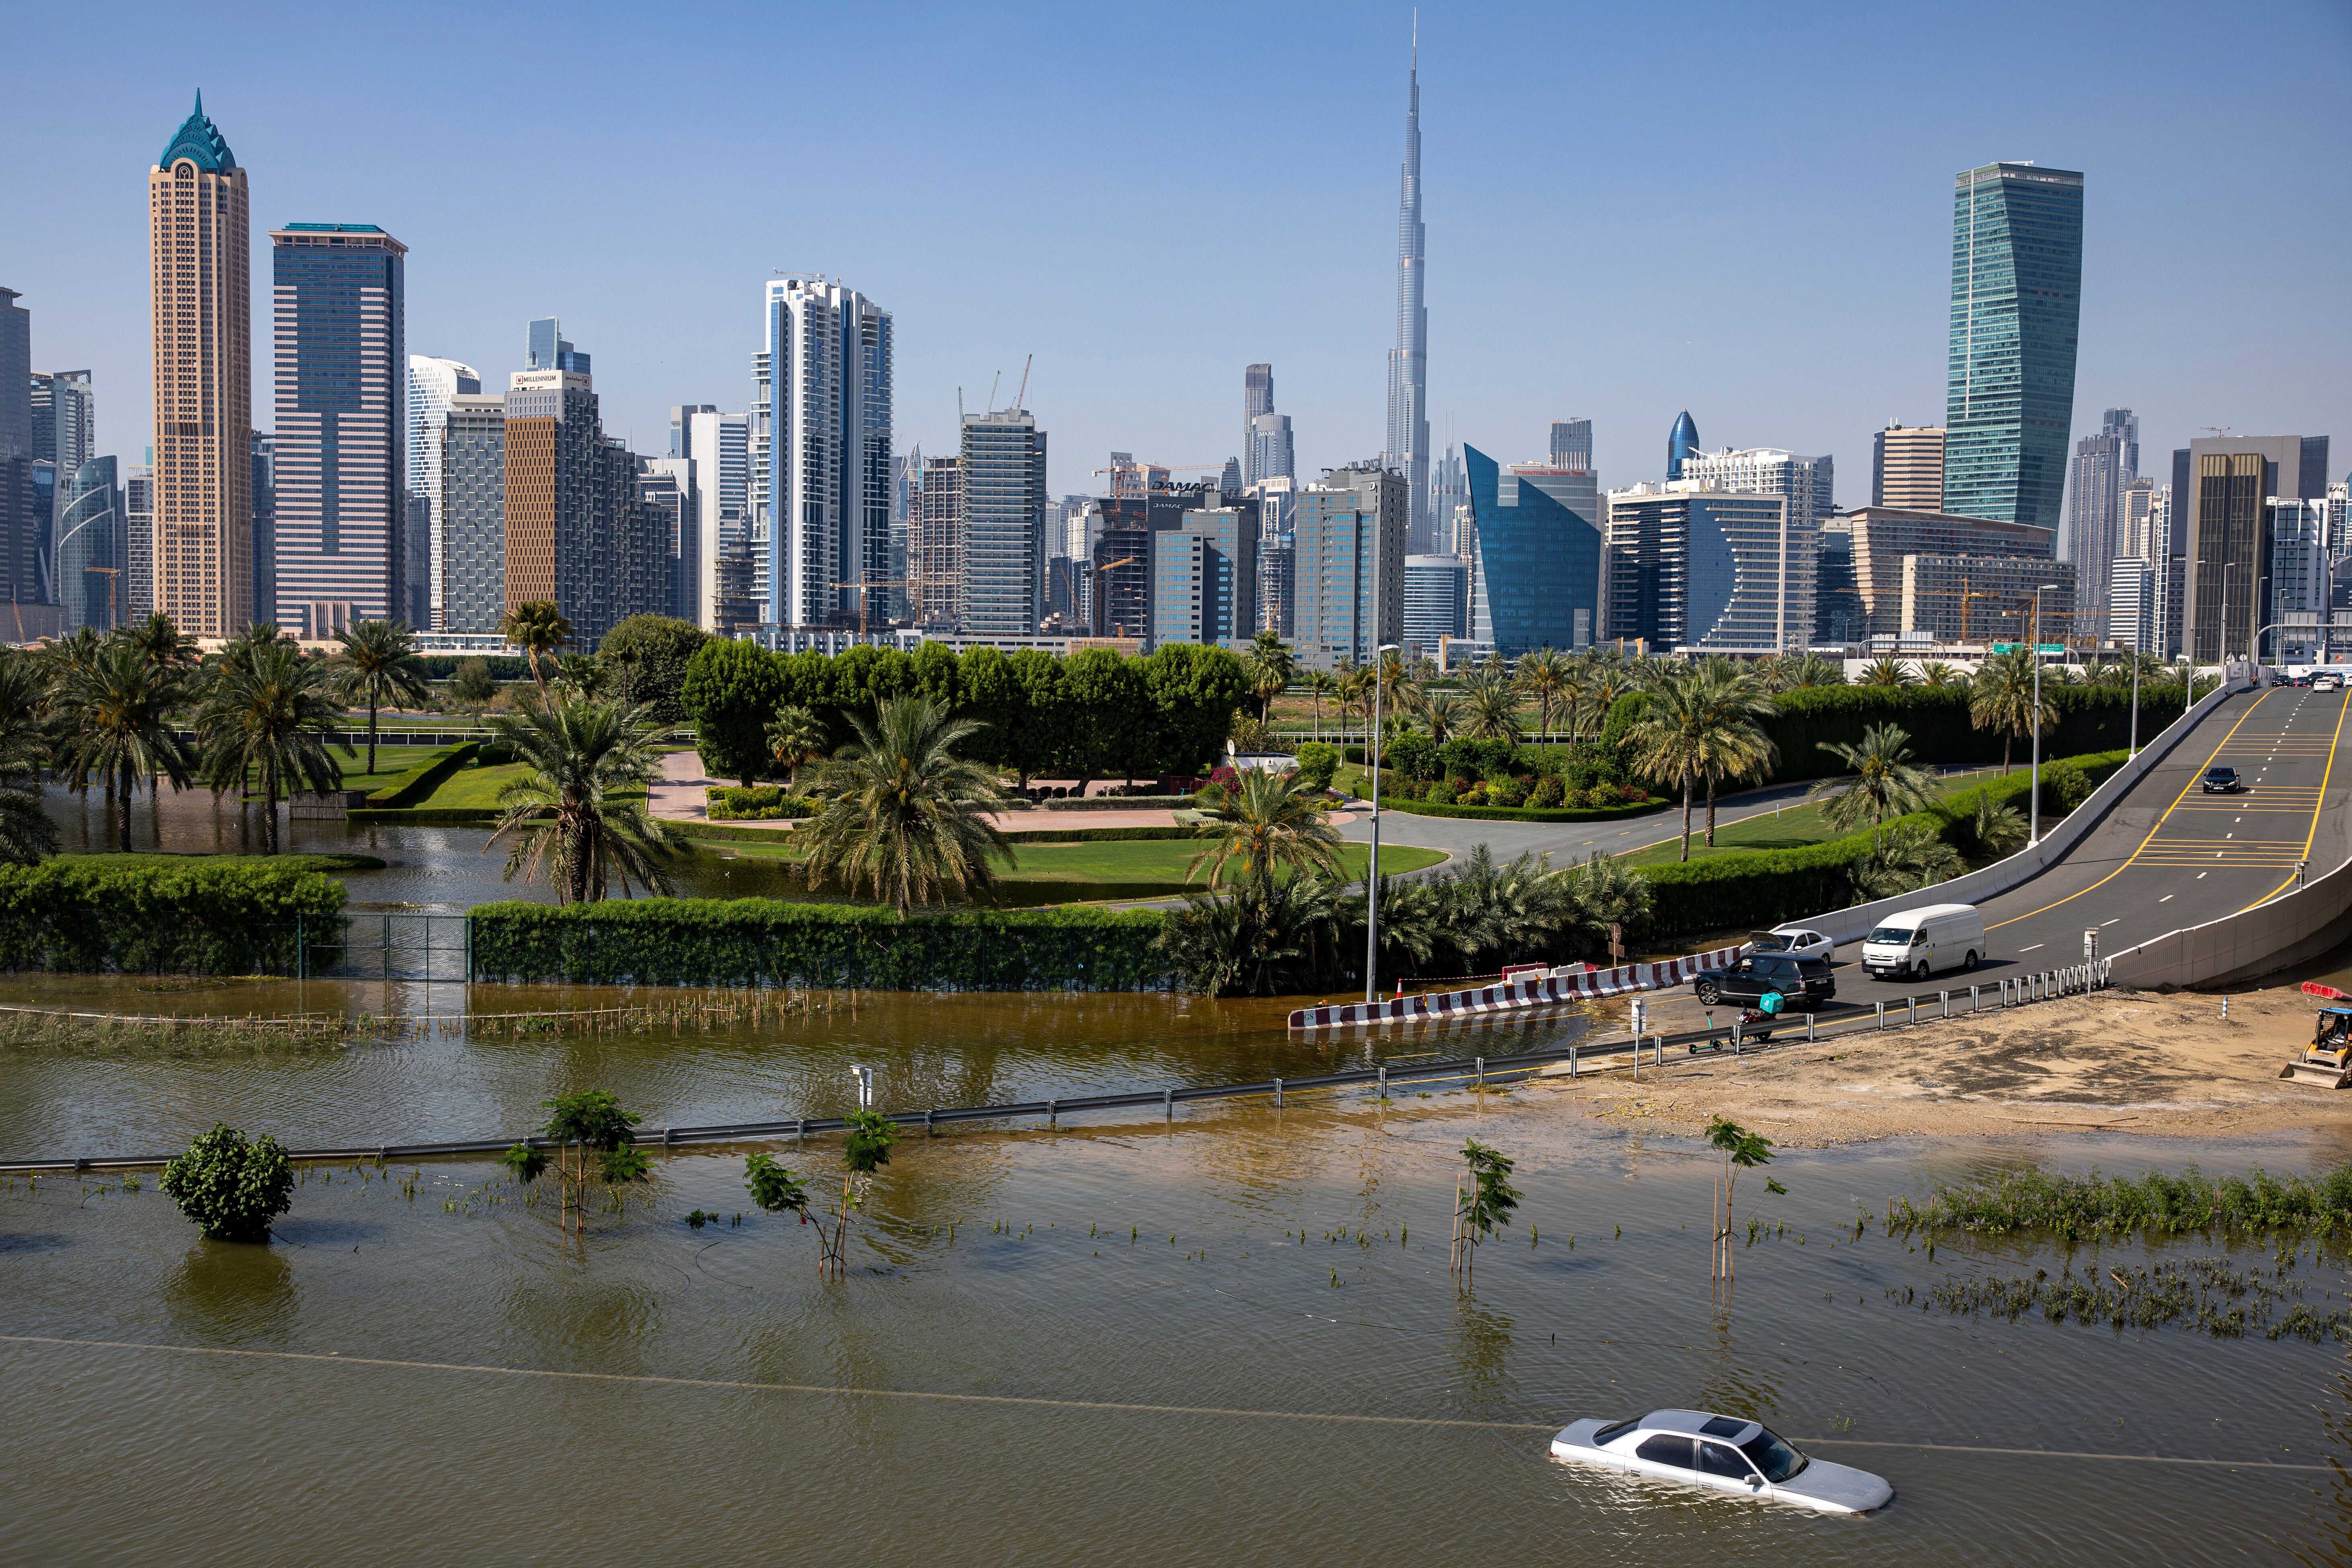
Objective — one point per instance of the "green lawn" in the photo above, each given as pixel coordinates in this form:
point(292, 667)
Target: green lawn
point(476, 788)
point(295, 862)
point(1155, 864)
point(1794, 827)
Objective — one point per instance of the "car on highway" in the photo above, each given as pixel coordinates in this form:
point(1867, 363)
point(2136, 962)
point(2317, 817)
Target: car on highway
point(1728, 1455)
point(2219, 780)
point(1804, 984)
point(1800, 940)
point(1915, 943)
point(2327, 683)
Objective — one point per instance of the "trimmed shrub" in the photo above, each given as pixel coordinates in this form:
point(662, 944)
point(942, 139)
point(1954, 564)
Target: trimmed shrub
point(1548, 793)
point(756, 942)
point(1318, 762)
point(202, 917)
point(1415, 756)
point(229, 1187)
point(1453, 805)
point(2064, 787)
point(1440, 794)
point(761, 803)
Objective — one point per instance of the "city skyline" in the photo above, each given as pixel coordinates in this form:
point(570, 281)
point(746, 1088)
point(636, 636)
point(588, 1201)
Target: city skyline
point(1519, 351)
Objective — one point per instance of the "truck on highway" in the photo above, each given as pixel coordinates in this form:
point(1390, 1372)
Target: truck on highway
point(1915, 943)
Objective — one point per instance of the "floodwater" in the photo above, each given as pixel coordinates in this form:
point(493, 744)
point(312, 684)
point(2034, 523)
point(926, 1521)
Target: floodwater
point(1230, 1341)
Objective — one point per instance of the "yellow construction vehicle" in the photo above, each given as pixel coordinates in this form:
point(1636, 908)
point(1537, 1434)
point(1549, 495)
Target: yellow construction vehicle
point(2326, 1062)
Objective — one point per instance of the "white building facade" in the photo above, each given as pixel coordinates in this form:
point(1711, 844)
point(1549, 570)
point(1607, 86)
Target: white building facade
point(820, 455)
point(433, 382)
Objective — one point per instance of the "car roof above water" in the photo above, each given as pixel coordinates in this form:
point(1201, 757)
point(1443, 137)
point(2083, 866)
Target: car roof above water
point(1731, 1430)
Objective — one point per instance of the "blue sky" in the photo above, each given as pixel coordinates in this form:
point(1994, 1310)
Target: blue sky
point(1743, 210)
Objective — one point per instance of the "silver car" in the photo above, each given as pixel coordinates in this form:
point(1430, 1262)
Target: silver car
point(1726, 1454)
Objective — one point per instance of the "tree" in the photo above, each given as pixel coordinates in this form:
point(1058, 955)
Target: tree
point(27, 833)
point(1483, 1199)
point(1739, 697)
point(1887, 670)
point(1995, 829)
point(649, 656)
point(573, 813)
point(1882, 781)
point(162, 644)
point(378, 665)
point(231, 1188)
point(865, 1149)
point(1935, 673)
point(583, 675)
point(473, 682)
point(114, 724)
point(795, 736)
point(1191, 693)
point(1905, 860)
point(268, 715)
point(1445, 714)
point(904, 815)
point(1742, 1150)
point(732, 688)
point(1262, 938)
point(592, 1121)
point(1545, 673)
point(1268, 821)
point(1491, 706)
point(1270, 668)
point(537, 627)
point(2001, 698)
point(1605, 894)
point(1320, 685)
point(1695, 726)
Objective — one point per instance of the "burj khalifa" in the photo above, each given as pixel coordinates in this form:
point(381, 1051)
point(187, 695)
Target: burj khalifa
point(1408, 438)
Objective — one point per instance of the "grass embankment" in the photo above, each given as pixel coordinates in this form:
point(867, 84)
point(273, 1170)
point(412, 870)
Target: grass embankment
point(1052, 873)
point(1793, 828)
point(165, 860)
point(469, 795)
point(2153, 1207)
point(81, 1035)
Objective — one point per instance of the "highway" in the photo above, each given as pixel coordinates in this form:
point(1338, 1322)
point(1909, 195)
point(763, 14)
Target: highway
point(2169, 856)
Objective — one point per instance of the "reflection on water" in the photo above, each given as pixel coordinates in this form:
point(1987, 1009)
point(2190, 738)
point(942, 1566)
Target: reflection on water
point(1134, 1266)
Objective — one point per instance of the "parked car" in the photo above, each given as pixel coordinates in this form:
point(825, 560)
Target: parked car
point(1805, 983)
point(1800, 940)
point(1915, 944)
point(1728, 1455)
point(2220, 781)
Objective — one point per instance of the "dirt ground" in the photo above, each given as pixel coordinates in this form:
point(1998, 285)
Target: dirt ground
point(2116, 1060)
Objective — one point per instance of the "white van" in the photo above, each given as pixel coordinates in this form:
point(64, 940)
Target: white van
point(1917, 942)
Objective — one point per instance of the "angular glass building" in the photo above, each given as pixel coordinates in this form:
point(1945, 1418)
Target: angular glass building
point(1535, 575)
point(2017, 296)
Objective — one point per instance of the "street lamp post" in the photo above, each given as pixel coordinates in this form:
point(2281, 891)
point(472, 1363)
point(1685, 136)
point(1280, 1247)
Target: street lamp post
point(1381, 651)
point(2034, 641)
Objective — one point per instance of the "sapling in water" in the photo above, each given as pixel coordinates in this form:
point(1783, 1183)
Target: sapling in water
point(1742, 1150)
point(1483, 1200)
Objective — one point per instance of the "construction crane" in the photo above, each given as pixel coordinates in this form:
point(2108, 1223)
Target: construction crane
point(904, 584)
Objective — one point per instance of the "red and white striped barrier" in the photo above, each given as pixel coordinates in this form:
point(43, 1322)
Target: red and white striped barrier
point(1574, 983)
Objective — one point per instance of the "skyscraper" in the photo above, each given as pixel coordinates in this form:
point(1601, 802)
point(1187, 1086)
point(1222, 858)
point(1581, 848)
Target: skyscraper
point(265, 523)
point(1408, 444)
point(820, 455)
point(65, 418)
point(16, 522)
point(1257, 397)
point(1809, 483)
point(1449, 488)
point(2093, 537)
point(1680, 442)
point(1709, 570)
point(936, 549)
point(1906, 468)
point(1002, 578)
point(719, 446)
point(472, 570)
point(2222, 494)
point(432, 384)
point(2017, 296)
point(1534, 570)
point(342, 396)
point(1349, 564)
point(89, 546)
point(1269, 454)
point(1571, 444)
point(199, 230)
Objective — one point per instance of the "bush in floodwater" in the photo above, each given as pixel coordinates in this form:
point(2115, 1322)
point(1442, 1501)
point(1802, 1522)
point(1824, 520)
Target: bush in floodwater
point(230, 1188)
point(2156, 1204)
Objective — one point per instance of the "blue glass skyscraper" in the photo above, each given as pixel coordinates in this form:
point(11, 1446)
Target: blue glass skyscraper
point(1683, 443)
point(1537, 563)
point(2017, 299)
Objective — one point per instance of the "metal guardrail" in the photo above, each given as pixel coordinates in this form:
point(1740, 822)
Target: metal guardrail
point(2020, 992)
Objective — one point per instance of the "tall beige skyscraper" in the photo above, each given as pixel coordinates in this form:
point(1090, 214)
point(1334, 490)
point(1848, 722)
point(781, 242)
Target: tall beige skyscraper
point(1906, 468)
point(203, 384)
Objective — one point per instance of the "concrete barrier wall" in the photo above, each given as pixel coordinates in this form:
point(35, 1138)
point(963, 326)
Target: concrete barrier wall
point(2246, 945)
point(1842, 926)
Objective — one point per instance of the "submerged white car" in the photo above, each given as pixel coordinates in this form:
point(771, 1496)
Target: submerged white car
point(1727, 1454)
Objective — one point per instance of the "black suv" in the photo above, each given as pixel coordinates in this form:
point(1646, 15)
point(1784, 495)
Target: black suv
point(2220, 781)
point(1805, 981)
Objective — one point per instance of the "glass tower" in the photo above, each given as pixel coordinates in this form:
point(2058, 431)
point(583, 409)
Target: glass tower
point(2017, 294)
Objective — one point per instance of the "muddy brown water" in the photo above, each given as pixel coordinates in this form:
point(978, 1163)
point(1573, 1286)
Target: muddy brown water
point(1124, 1340)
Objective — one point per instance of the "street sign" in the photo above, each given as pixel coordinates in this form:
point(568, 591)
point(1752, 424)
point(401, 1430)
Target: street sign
point(2044, 647)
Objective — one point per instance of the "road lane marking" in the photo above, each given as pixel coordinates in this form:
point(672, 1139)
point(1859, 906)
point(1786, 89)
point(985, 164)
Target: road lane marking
point(2038, 944)
point(2152, 832)
point(2317, 806)
point(2167, 898)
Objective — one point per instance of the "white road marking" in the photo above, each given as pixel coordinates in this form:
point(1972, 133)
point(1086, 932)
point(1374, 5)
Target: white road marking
point(2200, 877)
point(2169, 896)
point(2038, 944)
point(2117, 921)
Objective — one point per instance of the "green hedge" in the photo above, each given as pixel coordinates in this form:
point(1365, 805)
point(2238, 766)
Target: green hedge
point(425, 777)
point(723, 833)
point(1765, 887)
point(86, 916)
point(1524, 813)
point(760, 803)
point(753, 942)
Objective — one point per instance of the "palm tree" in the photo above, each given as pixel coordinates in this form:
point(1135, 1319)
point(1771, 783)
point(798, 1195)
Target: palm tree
point(268, 711)
point(1935, 672)
point(1263, 938)
point(161, 643)
point(1267, 820)
point(1882, 781)
point(904, 813)
point(2001, 698)
point(1491, 704)
point(1320, 684)
point(1995, 829)
point(1887, 670)
point(795, 735)
point(1545, 673)
point(114, 716)
point(1813, 670)
point(1739, 693)
point(1907, 860)
point(1698, 726)
point(536, 627)
point(576, 812)
point(1271, 668)
point(1444, 713)
point(26, 832)
point(1354, 683)
point(378, 665)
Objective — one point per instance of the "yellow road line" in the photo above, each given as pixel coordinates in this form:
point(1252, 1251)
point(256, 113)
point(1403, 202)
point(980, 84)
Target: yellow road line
point(2152, 832)
point(2317, 806)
